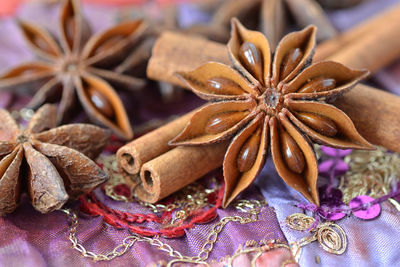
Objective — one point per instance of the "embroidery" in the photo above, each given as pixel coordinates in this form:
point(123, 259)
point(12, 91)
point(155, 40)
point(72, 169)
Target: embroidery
point(330, 236)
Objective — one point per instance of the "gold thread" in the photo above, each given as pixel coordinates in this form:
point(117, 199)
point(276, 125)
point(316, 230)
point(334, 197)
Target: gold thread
point(330, 236)
point(331, 240)
point(371, 173)
point(191, 198)
point(299, 221)
point(252, 210)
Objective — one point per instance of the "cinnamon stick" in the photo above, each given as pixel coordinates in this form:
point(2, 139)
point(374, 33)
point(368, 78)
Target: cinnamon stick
point(167, 57)
point(383, 27)
point(171, 53)
point(375, 114)
point(164, 170)
point(309, 12)
point(133, 155)
point(177, 168)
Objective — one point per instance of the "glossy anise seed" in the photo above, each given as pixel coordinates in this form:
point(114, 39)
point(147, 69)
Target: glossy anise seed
point(248, 153)
point(321, 124)
point(110, 43)
point(318, 84)
point(251, 57)
point(223, 121)
point(223, 86)
point(25, 72)
point(100, 102)
point(290, 61)
point(70, 29)
point(42, 44)
point(292, 154)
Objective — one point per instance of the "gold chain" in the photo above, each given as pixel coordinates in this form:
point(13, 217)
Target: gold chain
point(371, 173)
point(251, 207)
point(329, 235)
point(192, 197)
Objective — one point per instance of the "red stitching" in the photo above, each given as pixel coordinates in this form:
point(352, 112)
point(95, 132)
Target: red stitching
point(119, 219)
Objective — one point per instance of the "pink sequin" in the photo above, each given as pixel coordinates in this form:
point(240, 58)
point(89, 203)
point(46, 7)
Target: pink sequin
point(368, 213)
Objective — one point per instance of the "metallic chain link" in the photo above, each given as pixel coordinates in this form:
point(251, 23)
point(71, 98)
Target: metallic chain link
point(251, 207)
point(330, 236)
point(191, 198)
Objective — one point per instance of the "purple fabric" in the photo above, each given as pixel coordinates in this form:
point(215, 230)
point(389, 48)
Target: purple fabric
point(31, 239)
point(370, 243)
point(190, 14)
point(389, 78)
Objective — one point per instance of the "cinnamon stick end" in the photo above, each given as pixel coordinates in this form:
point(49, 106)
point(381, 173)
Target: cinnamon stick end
point(150, 180)
point(129, 160)
point(145, 196)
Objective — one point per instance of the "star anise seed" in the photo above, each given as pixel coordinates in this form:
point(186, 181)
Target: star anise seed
point(51, 164)
point(81, 65)
point(271, 101)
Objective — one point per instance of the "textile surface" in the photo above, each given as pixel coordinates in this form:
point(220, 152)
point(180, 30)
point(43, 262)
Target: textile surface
point(28, 238)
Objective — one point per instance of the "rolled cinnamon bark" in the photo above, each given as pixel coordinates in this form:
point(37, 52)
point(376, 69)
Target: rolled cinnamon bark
point(177, 168)
point(177, 52)
point(167, 59)
point(309, 12)
point(375, 114)
point(375, 50)
point(133, 155)
point(164, 169)
point(382, 27)
point(167, 170)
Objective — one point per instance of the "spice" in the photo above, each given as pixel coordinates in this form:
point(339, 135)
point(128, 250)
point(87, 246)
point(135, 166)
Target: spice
point(380, 50)
point(178, 53)
point(149, 170)
point(271, 102)
point(133, 155)
point(307, 12)
point(378, 127)
point(339, 3)
point(379, 53)
point(80, 66)
point(275, 16)
point(177, 168)
point(57, 162)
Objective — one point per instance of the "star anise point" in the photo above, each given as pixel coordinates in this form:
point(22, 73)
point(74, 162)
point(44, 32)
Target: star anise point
point(76, 56)
point(288, 99)
point(55, 169)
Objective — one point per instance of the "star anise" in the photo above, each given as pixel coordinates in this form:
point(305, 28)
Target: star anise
point(51, 164)
point(273, 17)
point(78, 65)
point(274, 101)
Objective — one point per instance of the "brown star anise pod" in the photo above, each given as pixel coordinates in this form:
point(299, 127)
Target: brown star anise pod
point(271, 101)
point(51, 164)
point(275, 17)
point(78, 66)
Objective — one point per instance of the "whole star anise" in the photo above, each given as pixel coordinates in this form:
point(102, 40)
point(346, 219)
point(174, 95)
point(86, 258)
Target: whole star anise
point(79, 66)
point(271, 101)
point(51, 164)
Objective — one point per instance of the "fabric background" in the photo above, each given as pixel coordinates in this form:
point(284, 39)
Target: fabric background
point(28, 238)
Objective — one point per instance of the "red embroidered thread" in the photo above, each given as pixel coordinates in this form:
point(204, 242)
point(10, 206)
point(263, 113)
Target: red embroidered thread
point(119, 219)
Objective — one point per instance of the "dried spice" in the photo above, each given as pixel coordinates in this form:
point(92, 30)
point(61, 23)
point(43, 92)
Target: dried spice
point(79, 66)
point(51, 164)
point(277, 102)
point(339, 3)
point(274, 16)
